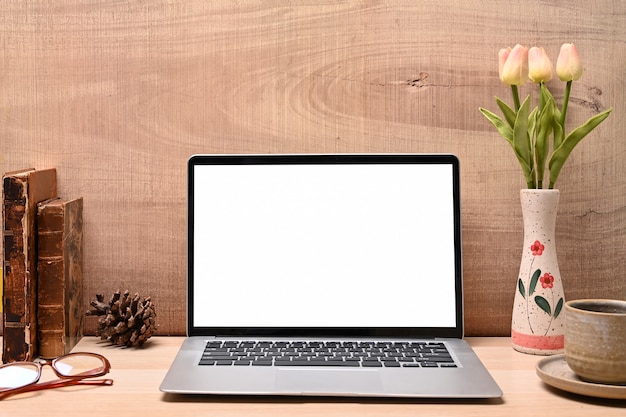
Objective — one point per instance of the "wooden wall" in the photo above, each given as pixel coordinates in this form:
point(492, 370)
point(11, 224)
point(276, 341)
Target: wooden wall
point(117, 96)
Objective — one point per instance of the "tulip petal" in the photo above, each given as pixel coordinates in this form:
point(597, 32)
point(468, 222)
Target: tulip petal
point(539, 65)
point(515, 67)
point(568, 65)
point(503, 54)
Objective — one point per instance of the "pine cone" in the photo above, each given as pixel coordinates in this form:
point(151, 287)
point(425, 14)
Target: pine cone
point(124, 320)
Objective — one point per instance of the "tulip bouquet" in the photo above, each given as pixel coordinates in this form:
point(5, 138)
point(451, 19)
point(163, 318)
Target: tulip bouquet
point(529, 131)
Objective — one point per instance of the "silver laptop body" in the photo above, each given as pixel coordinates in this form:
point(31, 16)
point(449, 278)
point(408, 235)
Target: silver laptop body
point(348, 252)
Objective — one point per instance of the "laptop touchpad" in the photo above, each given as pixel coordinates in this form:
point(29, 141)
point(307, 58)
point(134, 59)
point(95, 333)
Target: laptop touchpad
point(327, 381)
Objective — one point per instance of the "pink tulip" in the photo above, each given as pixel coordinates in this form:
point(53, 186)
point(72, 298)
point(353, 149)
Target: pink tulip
point(513, 65)
point(503, 54)
point(568, 65)
point(539, 65)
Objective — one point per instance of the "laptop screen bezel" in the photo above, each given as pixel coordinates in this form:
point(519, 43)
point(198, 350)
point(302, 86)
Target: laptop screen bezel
point(369, 332)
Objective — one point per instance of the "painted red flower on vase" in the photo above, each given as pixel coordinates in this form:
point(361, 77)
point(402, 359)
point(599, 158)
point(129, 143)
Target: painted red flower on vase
point(547, 280)
point(537, 248)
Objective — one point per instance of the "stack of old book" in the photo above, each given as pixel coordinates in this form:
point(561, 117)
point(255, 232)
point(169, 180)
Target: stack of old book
point(43, 267)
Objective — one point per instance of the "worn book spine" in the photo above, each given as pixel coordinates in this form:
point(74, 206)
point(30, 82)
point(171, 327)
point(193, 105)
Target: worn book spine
point(60, 274)
point(22, 190)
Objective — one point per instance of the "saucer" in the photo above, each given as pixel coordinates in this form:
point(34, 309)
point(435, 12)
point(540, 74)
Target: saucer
point(554, 371)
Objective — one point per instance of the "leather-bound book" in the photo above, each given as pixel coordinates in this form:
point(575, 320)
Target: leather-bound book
point(60, 274)
point(22, 190)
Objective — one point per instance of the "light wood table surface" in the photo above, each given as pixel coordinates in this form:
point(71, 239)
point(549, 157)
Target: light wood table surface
point(138, 373)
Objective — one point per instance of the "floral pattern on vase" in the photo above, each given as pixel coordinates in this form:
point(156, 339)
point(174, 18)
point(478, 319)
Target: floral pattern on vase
point(538, 327)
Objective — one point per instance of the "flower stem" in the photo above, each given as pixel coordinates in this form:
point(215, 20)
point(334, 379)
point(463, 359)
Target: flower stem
point(516, 101)
point(528, 297)
point(568, 88)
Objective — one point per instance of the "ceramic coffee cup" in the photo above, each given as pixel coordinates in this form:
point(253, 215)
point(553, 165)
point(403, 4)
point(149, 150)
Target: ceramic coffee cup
point(595, 340)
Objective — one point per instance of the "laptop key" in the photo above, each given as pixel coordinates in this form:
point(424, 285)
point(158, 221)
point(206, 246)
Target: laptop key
point(391, 364)
point(317, 363)
point(218, 357)
point(429, 365)
point(372, 364)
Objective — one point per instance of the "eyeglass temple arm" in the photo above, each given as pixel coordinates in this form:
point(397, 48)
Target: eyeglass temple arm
point(56, 384)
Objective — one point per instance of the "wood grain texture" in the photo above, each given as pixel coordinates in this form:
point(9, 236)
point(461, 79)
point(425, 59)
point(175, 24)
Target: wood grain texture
point(137, 373)
point(117, 95)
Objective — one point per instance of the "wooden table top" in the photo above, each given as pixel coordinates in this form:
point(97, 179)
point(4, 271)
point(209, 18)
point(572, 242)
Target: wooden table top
point(137, 374)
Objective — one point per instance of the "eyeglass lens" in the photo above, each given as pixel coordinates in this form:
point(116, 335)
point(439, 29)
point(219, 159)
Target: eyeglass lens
point(18, 375)
point(78, 365)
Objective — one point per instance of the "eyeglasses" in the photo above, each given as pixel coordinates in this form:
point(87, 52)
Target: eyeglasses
point(72, 369)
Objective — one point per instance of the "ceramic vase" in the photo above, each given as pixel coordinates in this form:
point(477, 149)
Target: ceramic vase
point(538, 323)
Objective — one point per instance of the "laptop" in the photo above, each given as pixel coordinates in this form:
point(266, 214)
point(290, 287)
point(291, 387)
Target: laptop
point(326, 275)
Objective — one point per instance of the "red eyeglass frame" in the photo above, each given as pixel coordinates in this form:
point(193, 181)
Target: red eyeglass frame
point(64, 380)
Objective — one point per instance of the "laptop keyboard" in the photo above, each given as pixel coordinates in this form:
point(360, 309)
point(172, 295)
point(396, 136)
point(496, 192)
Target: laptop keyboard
point(327, 353)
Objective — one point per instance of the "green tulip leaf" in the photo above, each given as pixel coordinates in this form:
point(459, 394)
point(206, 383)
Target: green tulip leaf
point(542, 142)
point(560, 154)
point(532, 119)
point(508, 134)
point(559, 134)
point(509, 113)
point(505, 130)
point(522, 143)
point(545, 93)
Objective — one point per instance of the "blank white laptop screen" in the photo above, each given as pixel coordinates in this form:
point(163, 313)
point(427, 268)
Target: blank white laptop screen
point(331, 245)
